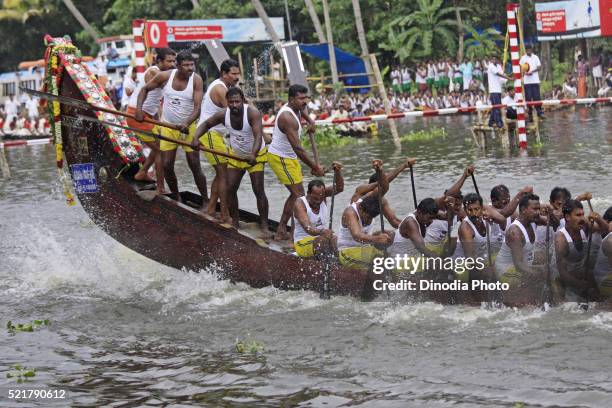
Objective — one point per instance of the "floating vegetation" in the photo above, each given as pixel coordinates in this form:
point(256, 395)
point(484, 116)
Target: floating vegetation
point(26, 327)
point(425, 134)
point(327, 136)
point(21, 373)
point(248, 346)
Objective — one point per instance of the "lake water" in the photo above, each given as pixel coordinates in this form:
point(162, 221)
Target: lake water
point(127, 331)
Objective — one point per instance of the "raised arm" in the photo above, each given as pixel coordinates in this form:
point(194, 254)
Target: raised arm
point(493, 215)
point(456, 188)
point(329, 191)
point(510, 208)
point(364, 189)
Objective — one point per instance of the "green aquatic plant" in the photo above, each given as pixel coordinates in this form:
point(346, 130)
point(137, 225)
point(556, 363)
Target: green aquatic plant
point(26, 327)
point(21, 373)
point(248, 346)
point(326, 136)
point(424, 134)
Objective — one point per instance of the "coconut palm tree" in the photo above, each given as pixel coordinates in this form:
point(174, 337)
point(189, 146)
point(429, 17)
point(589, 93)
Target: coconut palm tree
point(424, 32)
point(482, 44)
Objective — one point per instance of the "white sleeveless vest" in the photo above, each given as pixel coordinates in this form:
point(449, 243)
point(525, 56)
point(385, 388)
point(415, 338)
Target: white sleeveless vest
point(280, 145)
point(178, 105)
point(403, 245)
point(209, 108)
point(152, 102)
point(575, 259)
point(345, 239)
point(320, 220)
point(241, 140)
point(479, 242)
point(504, 258)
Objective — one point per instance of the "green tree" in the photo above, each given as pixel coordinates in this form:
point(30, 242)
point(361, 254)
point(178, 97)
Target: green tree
point(118, 18)
point(483, 44)
point(426, 32)
point(23, 10)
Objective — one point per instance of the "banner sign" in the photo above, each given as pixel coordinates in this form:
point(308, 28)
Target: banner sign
point(159, 33)
point(571, 19)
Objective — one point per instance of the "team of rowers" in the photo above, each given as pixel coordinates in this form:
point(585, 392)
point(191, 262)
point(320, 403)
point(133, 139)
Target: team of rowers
point(538, 244)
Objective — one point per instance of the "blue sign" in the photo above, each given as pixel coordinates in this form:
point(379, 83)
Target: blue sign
point(84, 178)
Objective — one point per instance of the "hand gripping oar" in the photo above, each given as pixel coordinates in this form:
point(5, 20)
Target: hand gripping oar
point(85, 105)
point(327, 270)
point(158, 136)
point(413, 188)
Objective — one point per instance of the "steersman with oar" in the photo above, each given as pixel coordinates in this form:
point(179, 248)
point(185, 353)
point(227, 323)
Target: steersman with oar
point(243, 122)
point(164, 60)
point(285, 149)
point(183, 91)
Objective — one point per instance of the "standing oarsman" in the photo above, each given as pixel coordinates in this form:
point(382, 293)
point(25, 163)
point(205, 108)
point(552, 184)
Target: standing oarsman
point(285, 149)
point(182, 96)
point(312, 236)
point(215, 102)
point(514, 263)
point(245, 137)
point(357, 247)
point(165, 60)
point(571, 250)
point(603, 265)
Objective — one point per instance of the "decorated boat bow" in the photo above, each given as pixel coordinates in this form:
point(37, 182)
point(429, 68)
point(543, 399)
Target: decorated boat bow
point(62, 57)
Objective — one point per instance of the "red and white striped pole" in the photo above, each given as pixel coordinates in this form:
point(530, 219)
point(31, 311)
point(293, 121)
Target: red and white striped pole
point(139, 47)
point(515, 56)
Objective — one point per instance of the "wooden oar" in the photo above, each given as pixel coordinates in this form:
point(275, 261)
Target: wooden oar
point(313, 145)
point(85, 105)
point(475, 185)
point(382, 231)
point(492, 296)
point(333, 198)
point(546, 290)
point(414, 198)
point(158, 136)
point(588, 256)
